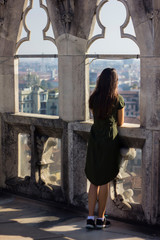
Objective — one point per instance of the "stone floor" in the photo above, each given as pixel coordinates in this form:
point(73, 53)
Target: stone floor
point(26, 219)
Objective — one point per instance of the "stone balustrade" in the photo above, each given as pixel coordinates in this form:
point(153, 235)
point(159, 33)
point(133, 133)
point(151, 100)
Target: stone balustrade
point(41, 129)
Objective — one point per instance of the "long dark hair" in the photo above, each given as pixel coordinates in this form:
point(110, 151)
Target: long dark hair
point(105, 94)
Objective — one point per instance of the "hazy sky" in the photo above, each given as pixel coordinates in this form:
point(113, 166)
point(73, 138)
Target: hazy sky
point(112, 15)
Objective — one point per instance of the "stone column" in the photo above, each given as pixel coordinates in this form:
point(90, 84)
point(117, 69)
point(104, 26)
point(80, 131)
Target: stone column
point(9, 29)
point(10, 18)
point(2, 175)
point(72, 23)
point(73, 87)
point(8, 102)
point(150, 92)
point(8, 84)
point(146, 20)
point(150, 120)
point(79, 179)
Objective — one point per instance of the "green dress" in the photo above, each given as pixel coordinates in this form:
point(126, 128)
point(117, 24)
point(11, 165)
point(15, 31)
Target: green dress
point(103, 152)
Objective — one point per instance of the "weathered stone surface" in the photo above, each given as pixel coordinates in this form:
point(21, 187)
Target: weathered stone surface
point(76, 19)
point(2, 175)
point(10, 28)
point(147, 175)
point(73, 86)
point(146, 21)
point(71, 41)
point(79, 146)
point(150, 93)
point(155, 177)
point(68, 44)
point(8, 87)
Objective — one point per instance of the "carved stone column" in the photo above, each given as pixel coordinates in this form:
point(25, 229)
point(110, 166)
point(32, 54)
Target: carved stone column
point(72, 23)
point(73, 86)
point(146, 20)
point(10, 17)
point(9, 27)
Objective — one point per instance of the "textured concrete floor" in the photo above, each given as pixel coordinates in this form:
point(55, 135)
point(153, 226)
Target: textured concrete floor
point(26, 219)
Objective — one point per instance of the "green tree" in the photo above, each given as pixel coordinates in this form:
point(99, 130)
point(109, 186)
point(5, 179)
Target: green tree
point(44, 84)
point(32, 79)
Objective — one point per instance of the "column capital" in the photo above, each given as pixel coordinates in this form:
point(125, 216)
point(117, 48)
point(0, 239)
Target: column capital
point(68, 44)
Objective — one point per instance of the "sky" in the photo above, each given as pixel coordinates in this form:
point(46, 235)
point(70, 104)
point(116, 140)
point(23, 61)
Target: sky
point(112, 16)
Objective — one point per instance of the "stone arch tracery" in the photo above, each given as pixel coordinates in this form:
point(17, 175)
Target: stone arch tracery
point(122, 27)
point(44, 31)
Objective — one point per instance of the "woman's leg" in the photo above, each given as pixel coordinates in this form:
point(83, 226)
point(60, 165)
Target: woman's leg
point(102, 199)
point(92, 198)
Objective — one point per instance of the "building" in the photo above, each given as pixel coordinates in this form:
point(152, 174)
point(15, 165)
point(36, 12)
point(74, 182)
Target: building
point(131, 99)
point(36, 100)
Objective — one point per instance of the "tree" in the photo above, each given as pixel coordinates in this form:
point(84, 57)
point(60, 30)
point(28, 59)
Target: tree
point(32, 79)
point(44, 84)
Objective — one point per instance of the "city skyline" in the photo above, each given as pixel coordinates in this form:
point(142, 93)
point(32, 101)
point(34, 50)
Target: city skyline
point(39, 79)
point(113, 43)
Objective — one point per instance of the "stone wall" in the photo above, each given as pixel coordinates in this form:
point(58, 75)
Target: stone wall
point(73, 188)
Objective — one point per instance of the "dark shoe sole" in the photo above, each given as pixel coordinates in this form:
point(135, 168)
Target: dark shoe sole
point(100, 226)
point(103, 226)
point(88, 226)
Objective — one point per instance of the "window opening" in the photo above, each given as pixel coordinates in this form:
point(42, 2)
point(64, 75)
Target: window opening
point(38, 77)
point(128, 83)
point(113, 47)
point(38, 84)
point(112, 16)
point(24, 155)
point(35, 21)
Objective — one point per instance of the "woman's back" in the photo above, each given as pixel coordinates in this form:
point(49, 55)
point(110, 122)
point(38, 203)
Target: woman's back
point(103, 159)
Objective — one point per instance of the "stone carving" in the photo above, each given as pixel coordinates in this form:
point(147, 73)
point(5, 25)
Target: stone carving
point(2, 4)
point(43, 186)
point(45, 150)
point(40, 142)
point(1, 21)
point(127, 154)
point(66, 13)
point(120, 196)
point(154, 14)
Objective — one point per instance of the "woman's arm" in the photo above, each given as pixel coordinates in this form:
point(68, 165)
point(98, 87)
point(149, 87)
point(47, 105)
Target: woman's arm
point(120, 117)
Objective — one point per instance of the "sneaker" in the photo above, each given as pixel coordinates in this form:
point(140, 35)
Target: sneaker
point(108, 223)
point(105, 215)
point(90, 224)
point(102, 223)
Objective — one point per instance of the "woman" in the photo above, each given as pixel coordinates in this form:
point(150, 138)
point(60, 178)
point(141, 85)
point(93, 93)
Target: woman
point(102, 162)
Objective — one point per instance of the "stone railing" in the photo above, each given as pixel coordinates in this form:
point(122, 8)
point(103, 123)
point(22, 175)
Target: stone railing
point(42, 130)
